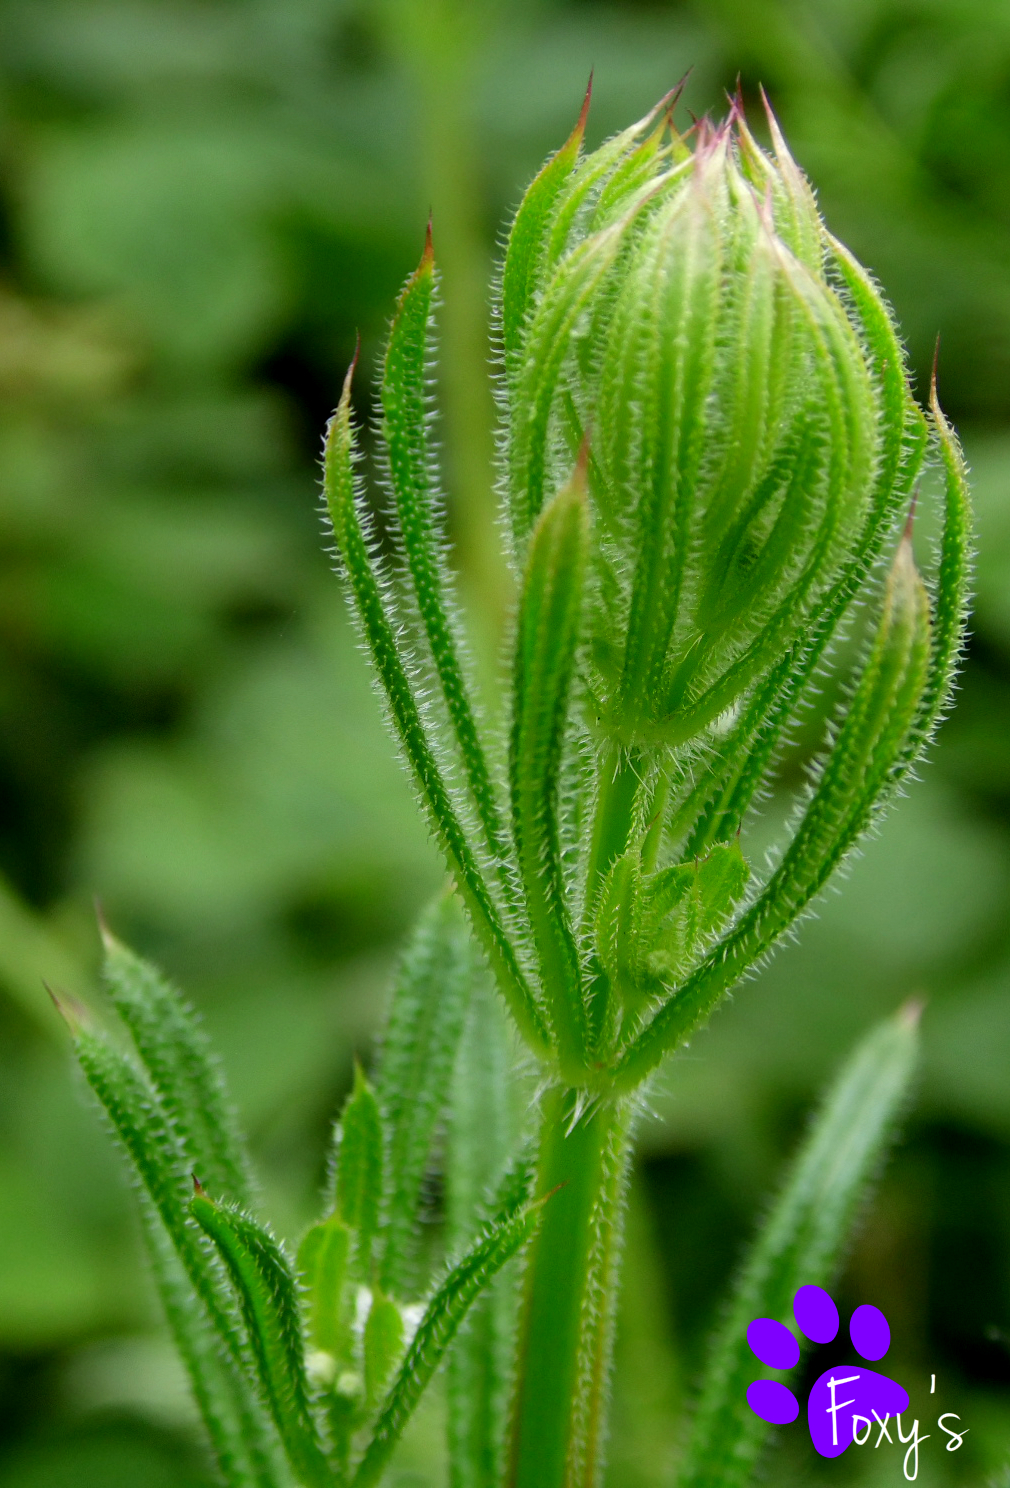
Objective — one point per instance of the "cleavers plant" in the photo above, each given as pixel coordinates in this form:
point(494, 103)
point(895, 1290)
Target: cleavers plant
point(709, 455)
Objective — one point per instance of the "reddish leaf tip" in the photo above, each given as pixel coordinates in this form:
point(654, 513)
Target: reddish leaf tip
point(737, 107)
point(584, 111)
point(573, 143)
point(910, 520)
point(345, 396)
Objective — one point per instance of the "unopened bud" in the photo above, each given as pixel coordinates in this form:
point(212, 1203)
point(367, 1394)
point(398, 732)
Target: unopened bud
point(683, 316)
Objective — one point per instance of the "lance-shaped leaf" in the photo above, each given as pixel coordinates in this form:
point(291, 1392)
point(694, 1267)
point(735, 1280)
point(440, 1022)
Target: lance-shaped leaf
point(650, 928)
point(359, 1166)
point(845, 394)
point(952, 587)
point(750, 750)
point(679, 921)
point(426, 1020)
point(607, 179)
point(547, 640)
point(391, 668)
point(718, 803)
point(528, 237)
point(182, 1067)
point(441, 1319)
point(161, 1165)
point(861, 771)
point(381, 1345)
point(548, 345)
point(673, 356)
point(232, 1421)
point(411, 475)
point(160, 1162)
point(801, 1242)
point(266, 1291)
point(324, 1258)
point(617, 923)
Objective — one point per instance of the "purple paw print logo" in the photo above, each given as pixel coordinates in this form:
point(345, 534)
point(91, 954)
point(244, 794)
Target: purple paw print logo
point(846, 1400)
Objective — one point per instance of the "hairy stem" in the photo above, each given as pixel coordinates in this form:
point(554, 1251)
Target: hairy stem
point(620, 779)
point(570, 1290)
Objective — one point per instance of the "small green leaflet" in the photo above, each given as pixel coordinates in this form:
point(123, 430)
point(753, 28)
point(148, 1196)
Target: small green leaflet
point(651, 928)
point(359, 1162)
point(180, 1063)
point(323, 1266)
point(545, 652)
point(857, 777)
point(419, 748)
point(382, 1344)
point(195, 1297)
point(266, 1291)
point(430, 999)
point(405, 405)
point(529, 234)
point(442, 1318)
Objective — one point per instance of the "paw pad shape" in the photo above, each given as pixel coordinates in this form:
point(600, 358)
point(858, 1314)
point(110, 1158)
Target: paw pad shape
point(845, 1401)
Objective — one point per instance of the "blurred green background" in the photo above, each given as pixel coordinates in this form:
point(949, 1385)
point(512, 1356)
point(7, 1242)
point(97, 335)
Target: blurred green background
point(200, 204)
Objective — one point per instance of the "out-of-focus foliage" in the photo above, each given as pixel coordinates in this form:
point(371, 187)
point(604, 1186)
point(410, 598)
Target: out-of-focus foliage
point(201, 205)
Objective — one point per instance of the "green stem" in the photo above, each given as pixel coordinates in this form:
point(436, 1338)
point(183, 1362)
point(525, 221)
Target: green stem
point(570, 1292)
point(657, 824)
point(620, 779)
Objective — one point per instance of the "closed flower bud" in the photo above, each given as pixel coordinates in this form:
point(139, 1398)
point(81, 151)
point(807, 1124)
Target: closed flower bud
point(684, 310)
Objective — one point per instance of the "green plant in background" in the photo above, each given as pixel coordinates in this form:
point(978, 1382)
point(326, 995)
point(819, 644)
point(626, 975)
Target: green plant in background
point(708, 454)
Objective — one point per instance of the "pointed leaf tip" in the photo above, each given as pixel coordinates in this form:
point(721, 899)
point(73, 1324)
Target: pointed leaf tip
point(75, 1014)
point(198, 1188)
point(584, 111)
point(774, 129)
point(904, 557)
point(737, 109)
point(111, 944)
point(345, 393)
point(910, 520)
point(573, 143)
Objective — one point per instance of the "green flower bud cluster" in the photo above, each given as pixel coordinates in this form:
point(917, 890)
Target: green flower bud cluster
point(685, 310)
point(709, 449)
